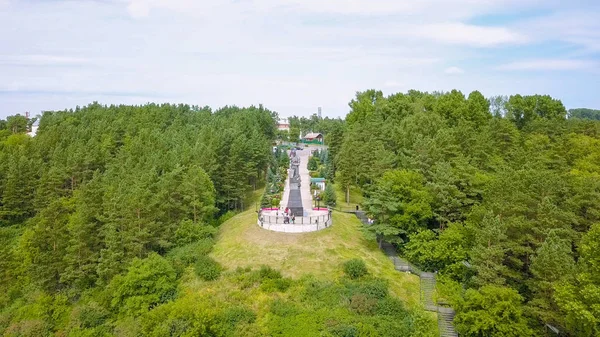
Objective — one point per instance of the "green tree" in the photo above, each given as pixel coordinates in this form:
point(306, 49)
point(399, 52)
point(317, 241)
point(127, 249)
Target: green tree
point(400, 204)
point(491, 311)
point(578, 298)
point(329, 196)
point(552, 262)
point(294, 135)
point(444, 253)
point(147, 283)
point(584, 113)
point(17, 124)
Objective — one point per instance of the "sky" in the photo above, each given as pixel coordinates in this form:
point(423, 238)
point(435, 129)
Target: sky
point(292, 56)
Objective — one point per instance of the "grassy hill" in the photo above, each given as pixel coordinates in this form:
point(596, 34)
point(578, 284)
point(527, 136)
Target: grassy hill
point(242, 243)
point(303, 291)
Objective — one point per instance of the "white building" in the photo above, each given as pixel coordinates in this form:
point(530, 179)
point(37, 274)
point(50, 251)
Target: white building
point(283, 125)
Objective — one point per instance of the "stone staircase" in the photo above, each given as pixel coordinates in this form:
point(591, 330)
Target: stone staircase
point(427, 283)
point(445, 318)
point(427, 289)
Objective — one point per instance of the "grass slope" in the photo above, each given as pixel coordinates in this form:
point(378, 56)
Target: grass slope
point(242, 243)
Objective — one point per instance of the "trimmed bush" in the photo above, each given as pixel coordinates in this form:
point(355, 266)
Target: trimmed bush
point(355, 268)
point(207, 268)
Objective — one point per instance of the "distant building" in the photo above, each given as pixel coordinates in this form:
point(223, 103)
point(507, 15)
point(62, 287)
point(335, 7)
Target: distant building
point(313, 137)
point(319, 182)
point(34, 128)
point(283, 125)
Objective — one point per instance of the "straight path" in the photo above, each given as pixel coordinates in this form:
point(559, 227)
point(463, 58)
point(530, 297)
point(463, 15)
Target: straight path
point(307, 201)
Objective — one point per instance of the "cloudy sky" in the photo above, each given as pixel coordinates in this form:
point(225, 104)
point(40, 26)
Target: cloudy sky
point(292, 55)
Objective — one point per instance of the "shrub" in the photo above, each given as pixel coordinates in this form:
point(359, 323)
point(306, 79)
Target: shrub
point(355, 268)
point(323, 293)
point(184, 256)
point(148, 282)
point(283, 308)
point(267, 272)
point(391, 307)
point(189, 232)
point(89, 315)
point(279, 284)
point(343, 330)
point(238, 314)
point(28, 328)
point(207, 268)
point(376, 288)
point(363, 304)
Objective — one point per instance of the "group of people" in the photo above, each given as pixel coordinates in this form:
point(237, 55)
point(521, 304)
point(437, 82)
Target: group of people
point(287, 217)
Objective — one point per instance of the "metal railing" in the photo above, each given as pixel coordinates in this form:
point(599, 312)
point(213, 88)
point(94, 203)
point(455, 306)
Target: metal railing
point(299, 220)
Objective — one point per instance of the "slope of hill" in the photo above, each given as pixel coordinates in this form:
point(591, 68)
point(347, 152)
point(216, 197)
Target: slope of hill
point(242, 243)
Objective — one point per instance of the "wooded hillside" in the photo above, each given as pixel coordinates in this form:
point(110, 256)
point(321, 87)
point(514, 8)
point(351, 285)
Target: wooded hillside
point(499, 196)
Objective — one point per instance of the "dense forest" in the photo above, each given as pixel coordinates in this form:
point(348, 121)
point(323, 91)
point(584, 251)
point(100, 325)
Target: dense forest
point(103, 193)
point(585, 114)
point(108, 217)
point(109, 210)
point(500, 196)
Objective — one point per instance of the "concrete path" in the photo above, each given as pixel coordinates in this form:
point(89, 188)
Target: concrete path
point(307, 201)
point(312, 220)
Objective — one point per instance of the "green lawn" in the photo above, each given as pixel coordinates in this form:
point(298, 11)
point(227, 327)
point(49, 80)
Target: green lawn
point(243, 243)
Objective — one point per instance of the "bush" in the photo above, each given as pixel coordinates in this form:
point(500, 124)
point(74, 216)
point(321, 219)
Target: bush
point(182, 257)
point(238, 314)
point(355, 268)
point(343, 330)
point(391, 307)
point(189, 232)
point(283, 308)
point(207, 268)
point(89, 315)
point(279, 284)
point(376, 288)
point(267, 272)
point(363, 304)
point(148, 282)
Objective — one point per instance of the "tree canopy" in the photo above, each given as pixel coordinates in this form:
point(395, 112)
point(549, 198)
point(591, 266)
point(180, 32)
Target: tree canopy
point(496, 194)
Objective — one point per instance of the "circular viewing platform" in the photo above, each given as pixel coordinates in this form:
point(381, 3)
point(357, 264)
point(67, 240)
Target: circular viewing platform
point(275, 220)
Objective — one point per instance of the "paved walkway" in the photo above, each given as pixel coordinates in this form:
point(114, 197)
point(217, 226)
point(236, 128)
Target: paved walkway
point(312, 220)
point(307, 201)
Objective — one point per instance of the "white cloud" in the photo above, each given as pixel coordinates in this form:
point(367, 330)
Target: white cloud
point(454, 71)
point(463, 34)
point(288, 54)
point(574, 26)
point(550, 64)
